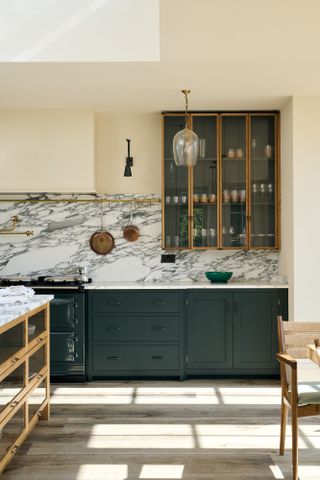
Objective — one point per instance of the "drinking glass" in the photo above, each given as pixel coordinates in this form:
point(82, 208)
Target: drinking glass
point(202, 147)
point(212, 236)
point(168, 199)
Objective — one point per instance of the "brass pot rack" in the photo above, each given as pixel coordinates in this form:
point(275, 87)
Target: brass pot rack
point(11, 230)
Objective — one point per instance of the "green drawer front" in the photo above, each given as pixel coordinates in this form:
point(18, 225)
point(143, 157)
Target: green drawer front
point(116, 328)
point(108, 358)
point(138, 302)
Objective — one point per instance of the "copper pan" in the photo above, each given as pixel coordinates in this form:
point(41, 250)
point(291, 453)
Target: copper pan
point(101, 241)
point(131, 232)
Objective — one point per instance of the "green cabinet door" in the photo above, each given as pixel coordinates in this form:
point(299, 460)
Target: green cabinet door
point(209, 332)
point(255, 330)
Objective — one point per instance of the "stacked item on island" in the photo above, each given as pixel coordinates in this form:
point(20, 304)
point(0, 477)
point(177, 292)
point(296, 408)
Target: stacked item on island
point(15, 295)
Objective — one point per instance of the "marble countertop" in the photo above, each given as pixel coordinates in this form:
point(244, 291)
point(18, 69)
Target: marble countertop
point(11, 312)
point(180, 285)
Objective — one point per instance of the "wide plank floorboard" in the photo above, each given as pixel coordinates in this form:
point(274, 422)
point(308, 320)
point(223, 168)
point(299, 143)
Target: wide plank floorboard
point(195, 430)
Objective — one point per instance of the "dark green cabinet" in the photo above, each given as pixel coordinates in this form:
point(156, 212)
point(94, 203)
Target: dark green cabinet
point(209, 331)
point(136, 333)
point(180, 333)
point(233, 332)
point(255, 330)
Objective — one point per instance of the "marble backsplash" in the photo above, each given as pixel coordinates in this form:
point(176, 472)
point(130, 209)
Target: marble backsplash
point(62, 231)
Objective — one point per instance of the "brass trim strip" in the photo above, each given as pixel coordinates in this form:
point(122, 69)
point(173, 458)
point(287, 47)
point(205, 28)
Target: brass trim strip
point(80, 200)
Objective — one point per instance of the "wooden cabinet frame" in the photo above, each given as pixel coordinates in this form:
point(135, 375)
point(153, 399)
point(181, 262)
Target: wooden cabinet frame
point(21, 399)
point(219, 116)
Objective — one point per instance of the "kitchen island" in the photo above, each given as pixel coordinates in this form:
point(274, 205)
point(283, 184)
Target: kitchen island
point(24, 371)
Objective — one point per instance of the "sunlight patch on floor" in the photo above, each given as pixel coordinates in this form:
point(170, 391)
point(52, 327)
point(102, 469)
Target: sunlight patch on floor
point(276, 472)
point(102, 472)
point(167, 396)
point(162, 471)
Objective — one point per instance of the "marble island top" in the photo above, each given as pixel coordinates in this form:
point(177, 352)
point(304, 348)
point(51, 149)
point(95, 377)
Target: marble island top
point(11, 312)
point(181, 285)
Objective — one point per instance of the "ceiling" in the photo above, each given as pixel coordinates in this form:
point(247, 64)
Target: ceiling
point(232, 54)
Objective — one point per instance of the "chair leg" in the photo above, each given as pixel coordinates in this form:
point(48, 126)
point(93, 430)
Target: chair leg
point(294, 422)
point(284, 415)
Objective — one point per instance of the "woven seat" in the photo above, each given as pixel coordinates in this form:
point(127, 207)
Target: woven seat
point(300, 379)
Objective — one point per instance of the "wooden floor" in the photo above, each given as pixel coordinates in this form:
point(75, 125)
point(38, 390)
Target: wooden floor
point(195, 430)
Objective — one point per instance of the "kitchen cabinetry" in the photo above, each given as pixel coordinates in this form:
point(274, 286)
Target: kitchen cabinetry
point(24, 378)
point(184, 332)
point(234, 333)
point(209, 331)
point(136, 334)
point(230, 199)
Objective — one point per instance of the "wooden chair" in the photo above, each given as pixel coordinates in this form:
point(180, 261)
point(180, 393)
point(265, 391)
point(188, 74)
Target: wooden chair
point(300, 379)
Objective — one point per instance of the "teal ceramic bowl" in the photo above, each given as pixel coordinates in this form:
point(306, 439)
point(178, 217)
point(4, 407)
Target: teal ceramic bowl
point(218, 277)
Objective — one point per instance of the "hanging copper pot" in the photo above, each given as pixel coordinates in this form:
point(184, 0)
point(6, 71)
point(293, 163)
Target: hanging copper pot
point(101, 241)
point(131, 232)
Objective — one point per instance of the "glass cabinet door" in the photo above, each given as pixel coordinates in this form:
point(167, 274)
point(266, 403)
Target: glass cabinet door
point(262, 179)
point(175, 190)
point(233, 180)
point(204, 181)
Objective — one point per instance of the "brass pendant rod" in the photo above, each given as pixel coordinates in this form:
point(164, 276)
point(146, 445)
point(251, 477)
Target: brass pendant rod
point(186, 93)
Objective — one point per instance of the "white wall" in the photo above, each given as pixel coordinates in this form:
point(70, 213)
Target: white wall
point(286, 256)
point(46, 150)
point(306, 221)
point(111, 131)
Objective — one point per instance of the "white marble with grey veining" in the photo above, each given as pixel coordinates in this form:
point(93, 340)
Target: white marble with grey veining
point(180, 285)
point(62, 233)
point(11, 312)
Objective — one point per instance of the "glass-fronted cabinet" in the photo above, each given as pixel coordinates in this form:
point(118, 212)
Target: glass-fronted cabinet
point(204, 181)
point(229, 200)
point(263, 178)
point(233, 180)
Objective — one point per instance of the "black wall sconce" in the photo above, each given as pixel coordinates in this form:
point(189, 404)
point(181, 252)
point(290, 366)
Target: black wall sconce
point(129, 161)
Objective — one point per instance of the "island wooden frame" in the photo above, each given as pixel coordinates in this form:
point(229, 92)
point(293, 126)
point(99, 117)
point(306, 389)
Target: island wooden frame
point(21, 399)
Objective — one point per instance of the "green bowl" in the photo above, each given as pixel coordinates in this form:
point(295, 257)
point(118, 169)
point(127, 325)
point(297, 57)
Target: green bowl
point(218, 277)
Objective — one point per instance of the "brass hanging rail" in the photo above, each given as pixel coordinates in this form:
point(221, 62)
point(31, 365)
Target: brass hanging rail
point(81, 200)
point(11, 230)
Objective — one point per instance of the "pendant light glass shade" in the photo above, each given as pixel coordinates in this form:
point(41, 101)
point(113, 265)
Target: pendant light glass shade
point(185, 143)
point(185, 148)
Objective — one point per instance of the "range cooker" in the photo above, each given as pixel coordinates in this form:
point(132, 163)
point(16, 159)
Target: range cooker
point(67, 322)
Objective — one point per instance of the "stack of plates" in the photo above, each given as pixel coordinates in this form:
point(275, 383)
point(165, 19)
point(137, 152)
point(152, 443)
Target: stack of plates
point(15, 295)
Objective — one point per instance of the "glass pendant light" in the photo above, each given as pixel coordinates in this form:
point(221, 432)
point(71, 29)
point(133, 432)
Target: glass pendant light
point(185, 143)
